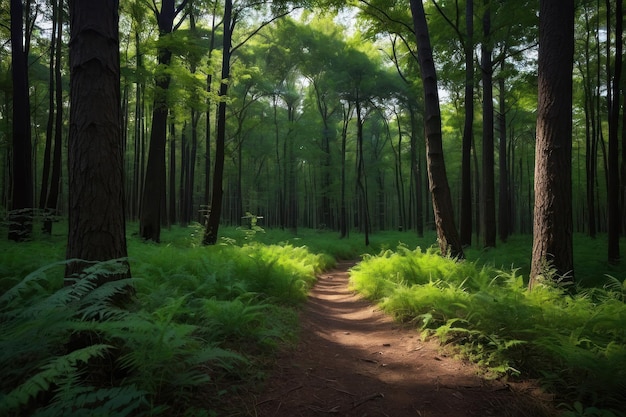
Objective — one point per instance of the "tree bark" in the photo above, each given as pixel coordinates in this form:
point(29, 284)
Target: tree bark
point(448, 237)
point(614, 215)
point(45, 175)
point(504, 200)
point(52, 202)
point(487, 190)
point(468, 130)
point(154, 184)
point(215, 211)
point(552, 235)
point(21, 213)
point(95, 152)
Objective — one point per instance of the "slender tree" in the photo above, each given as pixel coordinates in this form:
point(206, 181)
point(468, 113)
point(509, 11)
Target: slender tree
point(614, 215)
point(52, 200)
point(230, 20)
point(552, 233)
point(468, 129)
point(447, 234)
point(153, 197)
point(95, 159)
point(20, 215)
point(487, 190)
point(215, 209)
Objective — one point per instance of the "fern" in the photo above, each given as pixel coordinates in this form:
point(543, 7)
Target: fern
point(48, 375)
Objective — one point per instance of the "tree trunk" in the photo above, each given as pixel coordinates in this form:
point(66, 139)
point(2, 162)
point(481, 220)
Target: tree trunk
point(154, 185)
point(487, 191)
point(21, 213)
point(590, 135)
point(416, 175)
point(449, 242)
point(95, 159)
point(360, 172)
point(52, 201)
point(552, 234)
point(47, 155)
point(504, 206)
point(213, 222)
point(614, 216)
point(172, 175)
point(468, 130)
point(343, 211)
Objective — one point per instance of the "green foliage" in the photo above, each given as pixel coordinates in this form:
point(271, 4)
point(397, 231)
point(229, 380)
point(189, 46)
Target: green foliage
point(576, 344)
point(204, 318)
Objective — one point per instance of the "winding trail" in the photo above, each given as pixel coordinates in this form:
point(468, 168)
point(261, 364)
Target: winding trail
point(353, 360)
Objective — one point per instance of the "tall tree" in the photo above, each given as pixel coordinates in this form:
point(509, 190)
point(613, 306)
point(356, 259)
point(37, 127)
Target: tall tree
point(552, 233)
point(448, 237)
point(614, 215)
point(153, 195)
point(465, 222)
point(52, 199)
point(231, 18)
point(217, 193)
point(487, 190)
point(97, 230)
point(20, 215)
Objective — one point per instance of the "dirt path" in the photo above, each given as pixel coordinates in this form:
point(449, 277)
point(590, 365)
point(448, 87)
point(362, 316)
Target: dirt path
point(352, 360)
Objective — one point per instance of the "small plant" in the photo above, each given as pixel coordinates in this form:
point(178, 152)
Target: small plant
point(252, 227)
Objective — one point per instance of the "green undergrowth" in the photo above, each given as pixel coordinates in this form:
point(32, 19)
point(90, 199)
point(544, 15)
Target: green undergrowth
point(574, 344)
point(204, 324)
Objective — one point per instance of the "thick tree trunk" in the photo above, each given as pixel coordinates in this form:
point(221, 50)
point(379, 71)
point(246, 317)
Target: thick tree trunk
point(215, 213)
point(447, 234)
point(552, 234)
point(21, 213)
point(95, 159)
point(154, 185)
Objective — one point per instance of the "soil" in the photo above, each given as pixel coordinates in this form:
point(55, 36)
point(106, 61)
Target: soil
point(353, 360)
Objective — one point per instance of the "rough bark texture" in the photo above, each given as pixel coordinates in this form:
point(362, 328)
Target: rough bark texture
point(552, 241)
point(447, 234)
point(20, 215)
point(96, 187)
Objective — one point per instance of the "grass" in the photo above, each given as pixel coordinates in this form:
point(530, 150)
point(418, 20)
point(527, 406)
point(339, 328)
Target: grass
point(575, 344)
point(210, 319)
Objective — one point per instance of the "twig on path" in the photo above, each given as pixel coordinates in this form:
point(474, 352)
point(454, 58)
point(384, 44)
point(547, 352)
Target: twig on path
point(345, 392)
point(281, 396)
point(368, 398)
point(333, 410)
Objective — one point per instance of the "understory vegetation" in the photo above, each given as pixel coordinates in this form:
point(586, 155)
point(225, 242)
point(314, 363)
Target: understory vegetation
point(206, 322)
point(202, 323)
point(572, 340)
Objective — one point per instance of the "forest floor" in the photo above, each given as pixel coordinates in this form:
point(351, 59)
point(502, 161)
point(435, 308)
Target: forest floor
point(353, 360)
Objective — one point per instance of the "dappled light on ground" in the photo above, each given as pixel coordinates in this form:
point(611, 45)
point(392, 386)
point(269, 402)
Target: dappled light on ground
point(352, 360)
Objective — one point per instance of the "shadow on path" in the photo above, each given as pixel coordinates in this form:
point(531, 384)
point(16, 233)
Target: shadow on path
point(353, 360)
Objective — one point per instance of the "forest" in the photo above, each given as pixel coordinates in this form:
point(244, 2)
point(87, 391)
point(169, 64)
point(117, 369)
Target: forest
point(186, 168)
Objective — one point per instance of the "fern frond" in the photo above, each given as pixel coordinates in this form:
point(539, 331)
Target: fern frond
point(58, 368)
